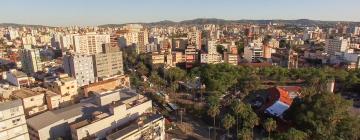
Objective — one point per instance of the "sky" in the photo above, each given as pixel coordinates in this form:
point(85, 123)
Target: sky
point(98, 12)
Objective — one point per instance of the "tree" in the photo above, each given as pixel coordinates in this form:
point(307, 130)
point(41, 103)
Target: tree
point(175, 74)
point(324, 116)
point(245, 134)
point(269, 125)
point(228, 122)
point(249, 83)
point(213, 111)
point(141, 69)
point(249, 117)
point(155, 79)
point(293, 134)
point(237, 107)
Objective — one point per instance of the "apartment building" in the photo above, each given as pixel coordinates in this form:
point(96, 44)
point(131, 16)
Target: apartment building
point(64, 86)
point(338, 44)
point(90, 43)
point(109, 62)
point(17, 78)
point(144, 128)
point(92, 118)
point(108, 84)
point(81, 67)
point(36, 100)
point(31, 60)
point(130, 107)
point(157, 58)
point(253, 51)
point(55, 123)
point(12, 121)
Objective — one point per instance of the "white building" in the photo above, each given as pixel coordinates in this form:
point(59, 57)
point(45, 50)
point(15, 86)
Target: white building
point(338, 44)
point(79, 66)
point(12, 121)
point(29, 40)
point(212, 56)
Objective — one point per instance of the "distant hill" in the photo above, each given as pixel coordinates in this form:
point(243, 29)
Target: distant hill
point(202, 21)
point(15, 25)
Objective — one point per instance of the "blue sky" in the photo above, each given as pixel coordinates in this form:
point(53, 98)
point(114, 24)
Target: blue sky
point(96, 12)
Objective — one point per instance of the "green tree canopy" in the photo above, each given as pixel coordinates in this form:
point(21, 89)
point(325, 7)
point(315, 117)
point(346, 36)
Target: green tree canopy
point(324, 116)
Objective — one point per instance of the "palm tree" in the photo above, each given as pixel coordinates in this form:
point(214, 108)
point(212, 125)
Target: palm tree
point(270, 125)
point(228, 121)
point(237, 107)
point(245, 134)
point(213, 112)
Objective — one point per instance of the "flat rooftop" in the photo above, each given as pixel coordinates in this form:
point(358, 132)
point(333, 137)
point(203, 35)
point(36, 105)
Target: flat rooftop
point(25, 93)
point(48, 118)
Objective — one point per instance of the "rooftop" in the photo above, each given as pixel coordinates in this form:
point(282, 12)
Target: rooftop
point(25, 93)
point(18, 74)
point(81, 110)
point(10, 104)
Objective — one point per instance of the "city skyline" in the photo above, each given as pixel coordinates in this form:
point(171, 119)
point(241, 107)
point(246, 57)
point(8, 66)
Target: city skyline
point(92, 13)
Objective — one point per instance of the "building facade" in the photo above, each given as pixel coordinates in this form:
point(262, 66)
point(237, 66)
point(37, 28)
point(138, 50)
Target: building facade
point(109, 62)
point(81, 67)
point(12, 121)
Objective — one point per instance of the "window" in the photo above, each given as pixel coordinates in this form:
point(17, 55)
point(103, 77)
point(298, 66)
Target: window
point(15, 121)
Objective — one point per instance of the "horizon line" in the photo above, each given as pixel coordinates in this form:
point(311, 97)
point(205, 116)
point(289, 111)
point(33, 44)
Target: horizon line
point(175, 21)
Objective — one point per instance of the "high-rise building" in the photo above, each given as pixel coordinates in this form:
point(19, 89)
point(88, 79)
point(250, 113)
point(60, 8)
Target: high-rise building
point(195, 39)
point(253, 51)
point(31, 60)
point(29, 40)
point(136, 34)
point(12, 121)
point(191, 56)
point(109, 62)
point(90, 43)
point(212, 56)
point(67, 42)
point(79, 66)
point(338, 44)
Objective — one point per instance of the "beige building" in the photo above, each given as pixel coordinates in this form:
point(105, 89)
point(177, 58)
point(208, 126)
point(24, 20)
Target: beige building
point(178, 57)
point(157, 58)
point(12, 121)
point(93, 118)
point(55, 124)
point(66, 87)
point(109, 62)
point(130, 107)
point(90, 43)
point(109, 84)
point(33, 100)
point(152, 127)
point(231, 58)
